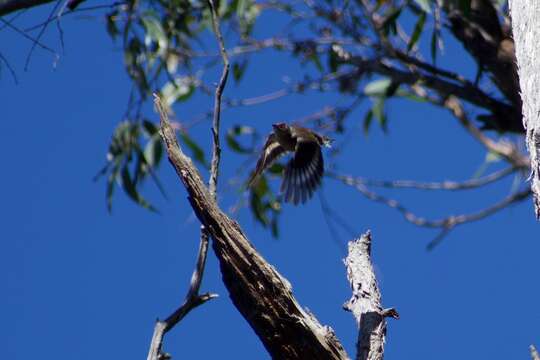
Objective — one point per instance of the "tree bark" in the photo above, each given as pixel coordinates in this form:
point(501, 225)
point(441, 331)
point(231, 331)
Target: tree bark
point(259, 292)
point(8, 6)
point(365, 303)
point(526, 29)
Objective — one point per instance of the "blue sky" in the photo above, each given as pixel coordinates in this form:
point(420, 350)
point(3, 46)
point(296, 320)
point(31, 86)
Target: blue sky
point(80, 283)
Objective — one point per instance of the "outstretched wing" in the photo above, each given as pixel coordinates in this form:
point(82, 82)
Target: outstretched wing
point(304, 172)
point(271, 151)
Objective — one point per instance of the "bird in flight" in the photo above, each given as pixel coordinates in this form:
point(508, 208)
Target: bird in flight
point(303, 173)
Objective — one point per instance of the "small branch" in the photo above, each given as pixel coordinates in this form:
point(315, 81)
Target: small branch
point(442, 185)
point(214, 172)
point(534, 353)
point(192, 300)
point(365, 303)
point(26, 36)
point(505, 150)
point(445, 224)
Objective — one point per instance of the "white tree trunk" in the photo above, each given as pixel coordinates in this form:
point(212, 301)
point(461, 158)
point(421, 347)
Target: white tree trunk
point(526, 29)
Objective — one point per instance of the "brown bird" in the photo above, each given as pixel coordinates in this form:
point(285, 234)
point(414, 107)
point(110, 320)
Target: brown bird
point(303, 173)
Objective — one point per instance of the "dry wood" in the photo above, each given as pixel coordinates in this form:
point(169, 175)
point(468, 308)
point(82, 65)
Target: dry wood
point(365, 303)
point(258, 291)
point(526, 30)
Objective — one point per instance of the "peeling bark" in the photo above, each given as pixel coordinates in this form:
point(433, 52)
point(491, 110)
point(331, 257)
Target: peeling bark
point(365, 303)
point(526, 29)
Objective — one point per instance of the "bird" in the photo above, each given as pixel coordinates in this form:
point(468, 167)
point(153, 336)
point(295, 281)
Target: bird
point(304, 171)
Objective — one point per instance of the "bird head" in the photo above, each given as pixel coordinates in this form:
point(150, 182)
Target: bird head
point(281, 128)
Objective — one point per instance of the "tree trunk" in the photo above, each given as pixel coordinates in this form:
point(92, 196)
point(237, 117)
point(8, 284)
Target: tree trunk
point(526, 29)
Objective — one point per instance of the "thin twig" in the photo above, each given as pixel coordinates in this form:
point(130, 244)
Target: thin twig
point(504, 149)
point(40, 34)
point(77, 10)
point(446, 223)
point(214, 172)
point(193, 299)
point(8, 65)
point(25, 35)
point(442, 185)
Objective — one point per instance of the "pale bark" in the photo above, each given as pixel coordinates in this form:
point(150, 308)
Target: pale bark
point(526, 30)
point(534, 353)
point(365, 303)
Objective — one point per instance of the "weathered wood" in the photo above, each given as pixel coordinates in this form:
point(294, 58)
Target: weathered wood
point(258, 291)
point(526, 30)
point(365, 303)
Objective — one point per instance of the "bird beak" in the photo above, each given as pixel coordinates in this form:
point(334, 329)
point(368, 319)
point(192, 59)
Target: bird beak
point(274, 126)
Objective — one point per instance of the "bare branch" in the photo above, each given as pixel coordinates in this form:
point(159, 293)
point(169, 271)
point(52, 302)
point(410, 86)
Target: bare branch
point(258, 291)
point(442, 185)
point(26, 36)
point(365, 303)
point(8, 65)
point(504, 149)
point(217, 103)
point(192, 300)
point(40, 34)
point(446, 223)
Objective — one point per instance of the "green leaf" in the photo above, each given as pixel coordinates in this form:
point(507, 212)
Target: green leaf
point(379, 114)
point(378, 87)
point(131, 190)
point(238, 70)
point(150, 128)
point(110, 188)
point(153, 151)
point(417, 31)
point(179, 90)
point(315, 59)
point(424, 5)
point(112, 29)
point(154, 30)
point(389, 24)
point(367, 121)
point(196, 150)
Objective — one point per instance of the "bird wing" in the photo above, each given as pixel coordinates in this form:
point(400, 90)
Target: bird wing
point(304, 171)
point(271, 151)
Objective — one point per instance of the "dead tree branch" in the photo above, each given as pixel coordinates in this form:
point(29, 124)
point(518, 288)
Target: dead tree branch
point(445, 224)
point(365, 303)
point(258, 291)
point(193, 299)
point(441, 185)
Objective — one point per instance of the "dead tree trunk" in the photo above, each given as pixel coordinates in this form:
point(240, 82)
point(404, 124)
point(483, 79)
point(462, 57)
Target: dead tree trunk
point(526, 30)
